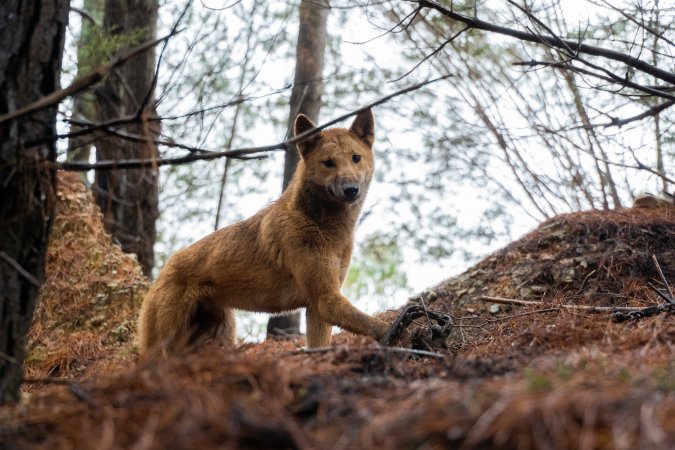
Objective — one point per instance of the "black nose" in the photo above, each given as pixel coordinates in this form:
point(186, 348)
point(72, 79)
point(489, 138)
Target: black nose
point(351, 192)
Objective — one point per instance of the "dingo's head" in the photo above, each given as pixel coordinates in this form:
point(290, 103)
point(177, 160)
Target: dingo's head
point(338, 162)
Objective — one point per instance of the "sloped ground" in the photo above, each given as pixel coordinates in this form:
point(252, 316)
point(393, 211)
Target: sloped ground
point(597, 257)
point(519, 377)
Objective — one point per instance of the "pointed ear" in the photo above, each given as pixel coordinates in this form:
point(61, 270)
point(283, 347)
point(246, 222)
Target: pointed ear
point(364, 127)
point(302, 124)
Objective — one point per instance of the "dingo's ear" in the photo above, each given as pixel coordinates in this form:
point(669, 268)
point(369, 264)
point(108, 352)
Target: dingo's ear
point(364, 127)
point(302, 124)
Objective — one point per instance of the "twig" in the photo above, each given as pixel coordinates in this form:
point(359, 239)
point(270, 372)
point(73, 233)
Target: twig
point(434, 53)
point(10, 359)
point(658, 292)
point(48, 380)
point(583, 283)
point(650, 90)
point(618, 313)
point(12, 262)
point(517, 302)
point(663, 280)
point(411, 351)
point(85, 15)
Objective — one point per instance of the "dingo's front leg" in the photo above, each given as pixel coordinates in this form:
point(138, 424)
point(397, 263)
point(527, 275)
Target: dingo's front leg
point(318, 330)
point(337, 310)
point(318, 279)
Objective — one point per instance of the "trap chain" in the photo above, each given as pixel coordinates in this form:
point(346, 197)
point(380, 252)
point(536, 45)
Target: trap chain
point(439, 327)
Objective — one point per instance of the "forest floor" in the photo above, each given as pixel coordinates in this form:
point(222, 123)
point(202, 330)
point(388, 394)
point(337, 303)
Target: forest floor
point(544, 375)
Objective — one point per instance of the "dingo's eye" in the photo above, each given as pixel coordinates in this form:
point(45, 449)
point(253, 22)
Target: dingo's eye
point(356, 158)
point(328, 163)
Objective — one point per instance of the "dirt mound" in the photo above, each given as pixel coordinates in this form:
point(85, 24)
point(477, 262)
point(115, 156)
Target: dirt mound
point(85, 318)
point(595, 257)
point(522, 377)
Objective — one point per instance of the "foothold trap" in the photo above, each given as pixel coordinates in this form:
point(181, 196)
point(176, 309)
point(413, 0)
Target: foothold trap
point(430, 335)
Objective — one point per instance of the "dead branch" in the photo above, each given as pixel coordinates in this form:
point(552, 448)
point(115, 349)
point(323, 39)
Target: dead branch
point(658, 292)
point(85, 15)
point(12, 262)
point(234, 153)
point(571, 54)
point(589, 308)
point(671, 298)
point(82, 83)
point(434, 53)
point(657, 91)
point(410, 351)
point(556, 42)
point(638, 23)
point(618, 313)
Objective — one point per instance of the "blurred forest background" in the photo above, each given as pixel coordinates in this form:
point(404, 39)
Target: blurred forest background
point(516, 134)
point(491, 117)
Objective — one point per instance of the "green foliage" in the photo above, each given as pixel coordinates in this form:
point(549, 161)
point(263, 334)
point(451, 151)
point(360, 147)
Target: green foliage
point(665, 377)
point(563, 370)
point(99, 48)
point(537, 380)
point(624, 375)
point(376, 270)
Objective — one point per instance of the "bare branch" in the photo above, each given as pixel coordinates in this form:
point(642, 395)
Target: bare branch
point(654, 110)
point(578, 47)
point(638, 23)
point(85, 15)
point(12, 262)
point(82, 83)
point(589, 308)
point(659, 91)
point(235, 153)
point(671, 297)
point(434, 53)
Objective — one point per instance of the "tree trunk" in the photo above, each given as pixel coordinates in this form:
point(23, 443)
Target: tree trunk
point(129, 198)
point(32, 35)
point(307, 84)
point(305, 99)
point(79, 147)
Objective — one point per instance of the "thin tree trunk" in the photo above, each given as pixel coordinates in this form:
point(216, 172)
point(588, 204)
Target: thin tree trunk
point(660, 165)
point(32, 37)
point(307, 84)
point(305, 99)
point(79, 147)
point(605, 177)
point(235, 120)
point(129, 198)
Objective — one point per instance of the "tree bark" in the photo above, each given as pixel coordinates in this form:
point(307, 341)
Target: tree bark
point(129, 199)
point(307, 84)
point(32, 35)
point(79, 147)
point(305, 99)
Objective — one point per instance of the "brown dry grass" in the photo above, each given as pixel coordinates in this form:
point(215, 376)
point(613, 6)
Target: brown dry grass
point(85, 319)
point(522, 378)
